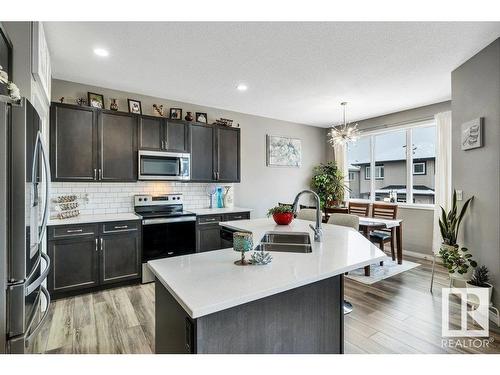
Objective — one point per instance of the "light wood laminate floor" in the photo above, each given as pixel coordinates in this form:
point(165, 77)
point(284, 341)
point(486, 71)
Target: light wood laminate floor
point(395, 315)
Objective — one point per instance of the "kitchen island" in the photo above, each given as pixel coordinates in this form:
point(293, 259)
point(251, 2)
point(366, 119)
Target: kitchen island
point(206, 304)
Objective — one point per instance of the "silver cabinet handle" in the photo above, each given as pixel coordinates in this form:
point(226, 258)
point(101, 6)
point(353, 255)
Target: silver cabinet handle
point(96, 242)
point(100, 174)
point(162, 147)
point(74, 231)
point(121, 226)
point(217, 174)
point(170, 253)
point(95, 174)
point(101, 242)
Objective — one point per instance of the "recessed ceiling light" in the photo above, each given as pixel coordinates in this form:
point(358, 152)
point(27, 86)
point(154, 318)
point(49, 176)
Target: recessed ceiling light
point(242, 87)
point(101, 52)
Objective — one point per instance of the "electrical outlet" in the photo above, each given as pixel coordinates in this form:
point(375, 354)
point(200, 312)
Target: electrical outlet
point(459, 195)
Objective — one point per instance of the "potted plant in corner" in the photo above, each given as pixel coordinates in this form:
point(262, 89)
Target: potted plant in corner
point(480, 279)
point(329, 183)
point(454, 258)
point(282, 215)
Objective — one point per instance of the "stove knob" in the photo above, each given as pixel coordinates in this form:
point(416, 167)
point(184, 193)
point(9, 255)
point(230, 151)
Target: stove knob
point(140, 199)
point(145, 199)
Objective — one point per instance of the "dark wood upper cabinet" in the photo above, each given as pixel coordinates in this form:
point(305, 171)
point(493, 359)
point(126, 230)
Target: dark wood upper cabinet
point(202, 139)
point(117, 146)
point(73, 141)
point(215, 153)
point(151, 133)
point(228, 154)
point(176, 136)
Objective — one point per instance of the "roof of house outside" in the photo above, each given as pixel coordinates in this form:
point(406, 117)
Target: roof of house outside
point(401, 189)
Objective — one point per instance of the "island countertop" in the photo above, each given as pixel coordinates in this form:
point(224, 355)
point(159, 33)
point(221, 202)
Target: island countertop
point(205, 283)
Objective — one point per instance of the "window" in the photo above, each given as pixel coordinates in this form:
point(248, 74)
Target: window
point(379, 172)
point(402, 174)
point(351, 176)
point(419, 168)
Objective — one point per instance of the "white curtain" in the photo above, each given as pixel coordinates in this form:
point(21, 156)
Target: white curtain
point(442, 189)
point(340, 157)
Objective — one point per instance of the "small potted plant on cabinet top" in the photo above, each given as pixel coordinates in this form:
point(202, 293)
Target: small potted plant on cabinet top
point(480, 279)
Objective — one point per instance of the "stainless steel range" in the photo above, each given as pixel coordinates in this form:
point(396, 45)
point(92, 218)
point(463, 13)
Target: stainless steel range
point(167, 230)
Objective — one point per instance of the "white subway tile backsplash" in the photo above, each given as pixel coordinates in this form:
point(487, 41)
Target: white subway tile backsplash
point(106, 197)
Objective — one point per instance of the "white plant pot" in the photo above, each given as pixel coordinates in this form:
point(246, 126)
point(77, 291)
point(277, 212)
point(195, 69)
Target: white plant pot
point(473, 298)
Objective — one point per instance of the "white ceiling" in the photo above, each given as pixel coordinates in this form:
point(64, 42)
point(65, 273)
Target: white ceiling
point(298, 72)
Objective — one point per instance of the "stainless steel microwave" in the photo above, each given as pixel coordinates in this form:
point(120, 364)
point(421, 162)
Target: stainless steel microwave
point(160, 165)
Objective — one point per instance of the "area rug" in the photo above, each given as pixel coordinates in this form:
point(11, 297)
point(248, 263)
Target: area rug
point(378, 272)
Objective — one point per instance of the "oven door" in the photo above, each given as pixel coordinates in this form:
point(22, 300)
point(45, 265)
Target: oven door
point(168, 237)
point(157, 165)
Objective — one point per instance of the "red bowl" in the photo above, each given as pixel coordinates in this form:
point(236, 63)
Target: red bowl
point(283, 218)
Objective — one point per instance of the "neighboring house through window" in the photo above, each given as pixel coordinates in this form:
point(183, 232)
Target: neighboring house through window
point(419, 168)
point(401, 172)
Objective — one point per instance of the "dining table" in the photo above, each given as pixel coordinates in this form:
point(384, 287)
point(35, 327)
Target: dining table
point(369, 224)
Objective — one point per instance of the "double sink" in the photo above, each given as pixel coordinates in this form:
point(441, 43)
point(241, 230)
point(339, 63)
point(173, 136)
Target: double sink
point(291, 242)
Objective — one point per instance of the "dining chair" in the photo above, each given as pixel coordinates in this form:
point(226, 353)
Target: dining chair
point(345, 220)
point(382, 236)
point(359, 208)
point(307, 214)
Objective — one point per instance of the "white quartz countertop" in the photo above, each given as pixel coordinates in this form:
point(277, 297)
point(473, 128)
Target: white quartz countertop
point(215, 211)
point(84, 219)
point(208, 282)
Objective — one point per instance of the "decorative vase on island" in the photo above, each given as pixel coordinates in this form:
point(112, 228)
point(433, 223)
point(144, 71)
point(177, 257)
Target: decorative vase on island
point(189, 116)
point(283, 218)
point(114, 105)
point(242, 242)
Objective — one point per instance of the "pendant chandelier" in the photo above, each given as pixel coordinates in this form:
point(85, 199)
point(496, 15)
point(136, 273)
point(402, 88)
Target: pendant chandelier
point(344, 133)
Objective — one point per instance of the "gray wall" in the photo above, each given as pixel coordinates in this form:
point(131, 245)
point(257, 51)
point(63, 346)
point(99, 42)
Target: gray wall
point(261, 187)
point(476, 93)
point(417, 229)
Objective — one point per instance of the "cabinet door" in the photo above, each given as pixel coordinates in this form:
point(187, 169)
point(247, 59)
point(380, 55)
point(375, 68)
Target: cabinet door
point(228, 155)
point(117, 147)
point(176, 136)
point(74, 264)
point(120, 257)
point(208, 237)
point(73, 143)
point(202, 152)
point(151, 133)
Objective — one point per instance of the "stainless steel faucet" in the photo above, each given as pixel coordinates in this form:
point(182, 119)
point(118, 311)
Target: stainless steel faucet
point(318, 232)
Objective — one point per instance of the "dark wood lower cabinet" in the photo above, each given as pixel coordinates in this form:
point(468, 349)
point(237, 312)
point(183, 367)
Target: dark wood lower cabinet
point(120, 257)
point(208, 235)
point(89, 256)
point(74, 264)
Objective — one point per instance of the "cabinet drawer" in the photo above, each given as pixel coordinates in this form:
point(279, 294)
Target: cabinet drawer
point(68, 231)
point(209, 219)
point(237, 216)
point(120, 226)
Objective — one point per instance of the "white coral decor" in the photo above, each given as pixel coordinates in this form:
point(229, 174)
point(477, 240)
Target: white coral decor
point(14, 91)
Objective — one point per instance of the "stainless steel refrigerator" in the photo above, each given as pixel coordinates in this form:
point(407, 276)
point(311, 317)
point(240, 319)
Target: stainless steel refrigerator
point(24, 209)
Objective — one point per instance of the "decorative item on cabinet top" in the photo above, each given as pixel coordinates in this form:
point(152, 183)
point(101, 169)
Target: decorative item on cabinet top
point(134, 106)
point(176, 113)
point(95, 100)
point(114, 105)
point(189, 116)
point(223, 122)
point(158, 110)
point(202, 117)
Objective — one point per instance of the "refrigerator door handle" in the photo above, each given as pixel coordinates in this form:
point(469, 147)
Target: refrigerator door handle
point(43, 275)
point(35, 330)
point(48, 178)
